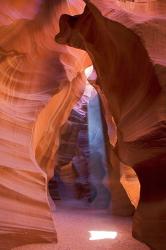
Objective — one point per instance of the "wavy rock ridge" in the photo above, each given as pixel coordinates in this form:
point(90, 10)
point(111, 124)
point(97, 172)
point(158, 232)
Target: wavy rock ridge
point(39, 83)
point(126, 46)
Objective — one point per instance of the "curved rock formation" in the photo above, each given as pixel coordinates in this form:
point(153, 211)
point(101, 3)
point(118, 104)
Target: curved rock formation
point(73, 152)
point(39, 83)
point(126, 45)
point(124, 191)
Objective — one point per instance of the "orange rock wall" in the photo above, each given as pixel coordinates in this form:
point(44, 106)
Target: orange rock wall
point(126, 44)
point(39, 83)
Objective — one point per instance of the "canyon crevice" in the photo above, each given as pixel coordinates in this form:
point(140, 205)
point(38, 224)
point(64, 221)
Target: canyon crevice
point(45, 47)
point(128, 60)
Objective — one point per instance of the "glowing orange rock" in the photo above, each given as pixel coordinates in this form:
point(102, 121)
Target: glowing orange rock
point(39, 83)
point(126, 44)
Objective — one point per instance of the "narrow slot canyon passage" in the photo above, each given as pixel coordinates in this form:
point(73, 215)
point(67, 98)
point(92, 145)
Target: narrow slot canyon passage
point(81, 170)
point(80, 190)
point(82, 124)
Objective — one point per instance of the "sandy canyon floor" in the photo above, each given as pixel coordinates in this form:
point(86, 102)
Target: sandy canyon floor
point(74, 223)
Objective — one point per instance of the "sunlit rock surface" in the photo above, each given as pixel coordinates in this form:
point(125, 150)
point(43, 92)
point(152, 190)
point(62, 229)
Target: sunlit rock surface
point(39, 83)
point(126, 43)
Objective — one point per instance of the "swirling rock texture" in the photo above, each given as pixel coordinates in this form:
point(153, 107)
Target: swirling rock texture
point(70, 142)
point(39, 83)
point(73, 152)
point(81, 157)
point(126, 43)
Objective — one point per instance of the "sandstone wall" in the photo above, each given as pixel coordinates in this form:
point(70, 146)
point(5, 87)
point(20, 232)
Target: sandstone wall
point(126, 45)
point(39, 83)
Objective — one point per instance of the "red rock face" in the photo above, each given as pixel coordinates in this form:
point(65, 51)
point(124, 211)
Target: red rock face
point(39, 83)
point(126, 47)
point(73, 153)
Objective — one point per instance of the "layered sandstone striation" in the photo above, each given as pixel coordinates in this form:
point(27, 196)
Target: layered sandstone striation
point(39, 83)
point(126, 43)
point(72, 157)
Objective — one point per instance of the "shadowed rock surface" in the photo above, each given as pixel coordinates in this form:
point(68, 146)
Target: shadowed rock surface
point(40, 82)
point(128, 53)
